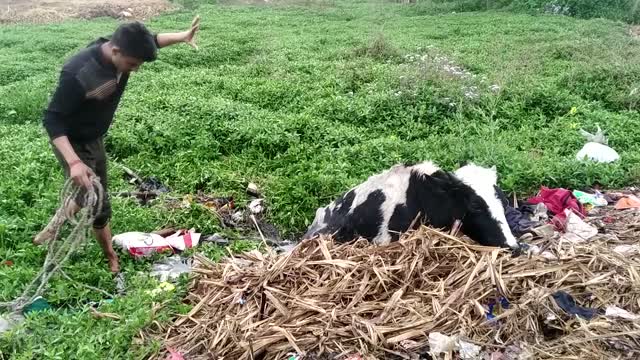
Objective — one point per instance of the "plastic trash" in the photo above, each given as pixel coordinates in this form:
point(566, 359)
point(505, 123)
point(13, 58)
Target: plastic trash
point(443, 344)
point(217, 239)
point(237, 216)
point(596, 199)
point(153, 184)
point(540, 213)
point(171, 268)
point(440, 343)
point(546, 231)
point(409, 344)
point(9, 321)
point(492, 311)
point(143, 244)
point(628, 202)
point(469, 351)
point(174, 355)
point(597, 152)
point(627, 249)
point(556, 201)
point(256, 206)
point(38, 304)
point(598, 137)
point(576, 230)
point(568, 304)
point(616, 312)
point(597, 148)
point(253, 190)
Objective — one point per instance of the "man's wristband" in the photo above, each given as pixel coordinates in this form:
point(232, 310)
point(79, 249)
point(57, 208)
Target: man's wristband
point(74, 162)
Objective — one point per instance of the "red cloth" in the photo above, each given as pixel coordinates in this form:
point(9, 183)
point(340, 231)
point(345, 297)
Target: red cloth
point(557, 200)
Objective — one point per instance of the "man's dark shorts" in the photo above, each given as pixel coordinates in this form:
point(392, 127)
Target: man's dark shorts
point(95, 157)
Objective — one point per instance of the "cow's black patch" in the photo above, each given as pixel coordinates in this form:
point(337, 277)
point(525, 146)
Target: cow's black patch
point(365, 220)
point(367, 217)
point(440, 199)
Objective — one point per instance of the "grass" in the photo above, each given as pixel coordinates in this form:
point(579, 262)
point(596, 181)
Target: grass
point(306, 100)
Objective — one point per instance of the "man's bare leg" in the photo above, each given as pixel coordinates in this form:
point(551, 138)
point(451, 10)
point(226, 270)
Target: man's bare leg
point(55, 223)
point(104, 239)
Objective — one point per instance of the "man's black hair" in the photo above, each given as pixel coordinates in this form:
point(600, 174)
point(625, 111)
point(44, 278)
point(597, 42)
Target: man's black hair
point(136, 41)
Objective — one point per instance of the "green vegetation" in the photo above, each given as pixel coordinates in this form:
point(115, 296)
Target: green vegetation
point(305, 100)
point(623, 10)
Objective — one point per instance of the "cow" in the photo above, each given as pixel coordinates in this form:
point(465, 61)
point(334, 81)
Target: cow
point(387, 204)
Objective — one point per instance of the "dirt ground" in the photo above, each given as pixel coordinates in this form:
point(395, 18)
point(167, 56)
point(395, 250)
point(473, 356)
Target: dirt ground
point(51, 11)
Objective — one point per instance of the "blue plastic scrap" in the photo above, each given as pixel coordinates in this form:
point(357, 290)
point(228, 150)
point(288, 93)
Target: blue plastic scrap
point(568, 304)
point(504, 303)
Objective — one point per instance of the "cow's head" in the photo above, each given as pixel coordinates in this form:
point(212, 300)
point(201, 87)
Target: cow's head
point(330, 219)
point(485, 221)
point(318, 225)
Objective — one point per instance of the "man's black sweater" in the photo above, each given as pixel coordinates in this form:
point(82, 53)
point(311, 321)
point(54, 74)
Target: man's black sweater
point(88, 93)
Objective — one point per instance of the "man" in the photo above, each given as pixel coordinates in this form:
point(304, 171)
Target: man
point(81, 110)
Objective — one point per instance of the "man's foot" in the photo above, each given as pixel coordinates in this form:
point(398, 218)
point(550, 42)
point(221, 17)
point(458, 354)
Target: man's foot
point(114, 265)
point(56, 222)
point(49, 232)
point(43, 236)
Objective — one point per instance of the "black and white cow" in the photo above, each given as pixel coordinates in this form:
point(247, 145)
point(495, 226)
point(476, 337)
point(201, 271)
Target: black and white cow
point(386, 204)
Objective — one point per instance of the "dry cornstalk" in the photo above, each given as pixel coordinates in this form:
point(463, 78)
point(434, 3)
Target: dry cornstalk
point(324, 298)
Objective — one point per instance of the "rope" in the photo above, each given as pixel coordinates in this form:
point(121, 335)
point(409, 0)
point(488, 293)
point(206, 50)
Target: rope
point(58, 252)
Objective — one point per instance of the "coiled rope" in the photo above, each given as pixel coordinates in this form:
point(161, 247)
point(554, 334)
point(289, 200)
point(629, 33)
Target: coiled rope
point(58, 252)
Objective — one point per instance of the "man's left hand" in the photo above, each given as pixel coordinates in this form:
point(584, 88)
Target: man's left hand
point(190, 35)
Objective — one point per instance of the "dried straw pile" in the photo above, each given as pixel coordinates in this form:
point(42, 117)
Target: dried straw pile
point(384, 301)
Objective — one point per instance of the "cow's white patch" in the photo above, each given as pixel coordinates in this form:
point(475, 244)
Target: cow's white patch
point(427, 168)
point(482, 181)
point(393, 183)
point(395, 192)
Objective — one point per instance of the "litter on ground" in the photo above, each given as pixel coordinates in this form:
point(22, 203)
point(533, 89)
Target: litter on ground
point(171, 268)
point(140, 244)
point(597, 148)
point(429, 292)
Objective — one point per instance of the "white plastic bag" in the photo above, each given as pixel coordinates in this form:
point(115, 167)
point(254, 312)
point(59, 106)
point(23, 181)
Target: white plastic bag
point(171, 268)
point(440, 343)
point(597, 152)
point(143, 244)
point(616, 312)
point(597, 148)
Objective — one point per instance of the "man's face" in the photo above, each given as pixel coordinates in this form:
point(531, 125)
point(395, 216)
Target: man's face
point(123, 63)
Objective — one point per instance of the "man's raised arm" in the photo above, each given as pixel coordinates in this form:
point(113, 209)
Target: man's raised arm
point(167, 39)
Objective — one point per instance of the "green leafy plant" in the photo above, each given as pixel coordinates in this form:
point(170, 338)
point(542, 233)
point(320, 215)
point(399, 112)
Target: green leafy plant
point(306, 102)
